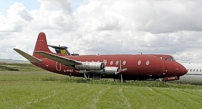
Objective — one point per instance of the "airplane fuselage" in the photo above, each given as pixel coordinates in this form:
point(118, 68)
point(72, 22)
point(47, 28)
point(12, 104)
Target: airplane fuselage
point(140, 66)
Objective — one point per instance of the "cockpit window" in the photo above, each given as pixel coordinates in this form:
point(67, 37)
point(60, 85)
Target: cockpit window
point(170, 59)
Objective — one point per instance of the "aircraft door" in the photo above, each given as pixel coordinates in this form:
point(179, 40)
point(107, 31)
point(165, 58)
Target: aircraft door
point(166, 67)
point(153, 67)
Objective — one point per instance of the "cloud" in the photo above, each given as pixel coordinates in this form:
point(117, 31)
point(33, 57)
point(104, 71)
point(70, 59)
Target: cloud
point(18, 10)
point(63, 5)
point(157, 16)
point(168, 16)
point(108, 27)
point(17, 18)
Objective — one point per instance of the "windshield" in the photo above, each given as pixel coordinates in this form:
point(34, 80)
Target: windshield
point(169, 59)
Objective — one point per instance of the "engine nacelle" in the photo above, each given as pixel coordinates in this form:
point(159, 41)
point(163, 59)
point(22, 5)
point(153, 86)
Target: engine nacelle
point(108, 71)
point(91, 66)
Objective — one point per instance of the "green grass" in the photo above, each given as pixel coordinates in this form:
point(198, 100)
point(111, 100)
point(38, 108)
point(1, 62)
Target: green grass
point(31, 90)
point(18, 67)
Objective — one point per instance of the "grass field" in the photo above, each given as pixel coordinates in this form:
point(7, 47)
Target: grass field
point(18, 67)
point(33, 88)
point(24, 90)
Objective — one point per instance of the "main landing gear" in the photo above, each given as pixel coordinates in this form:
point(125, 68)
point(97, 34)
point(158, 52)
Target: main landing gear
point(86, 76)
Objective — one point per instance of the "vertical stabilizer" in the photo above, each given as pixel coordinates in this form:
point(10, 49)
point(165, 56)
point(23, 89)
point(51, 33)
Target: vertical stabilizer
point(41, 45)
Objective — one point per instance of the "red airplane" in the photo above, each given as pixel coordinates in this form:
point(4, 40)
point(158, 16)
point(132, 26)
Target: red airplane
point(121, 66)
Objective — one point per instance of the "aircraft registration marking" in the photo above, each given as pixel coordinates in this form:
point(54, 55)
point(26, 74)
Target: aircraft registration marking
point(68, 70)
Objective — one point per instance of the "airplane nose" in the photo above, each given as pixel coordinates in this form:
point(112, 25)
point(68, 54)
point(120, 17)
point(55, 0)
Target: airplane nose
point(183, 70)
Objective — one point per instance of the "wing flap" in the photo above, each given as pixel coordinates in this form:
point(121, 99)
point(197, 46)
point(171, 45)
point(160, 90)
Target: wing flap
point(27, 56)
point(60, 59)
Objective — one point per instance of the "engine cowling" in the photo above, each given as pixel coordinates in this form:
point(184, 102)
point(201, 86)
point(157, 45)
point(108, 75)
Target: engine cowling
point(108, 71)
point(91, 66)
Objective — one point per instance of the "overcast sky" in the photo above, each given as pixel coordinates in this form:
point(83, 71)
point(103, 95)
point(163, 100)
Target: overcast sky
point(104, 26)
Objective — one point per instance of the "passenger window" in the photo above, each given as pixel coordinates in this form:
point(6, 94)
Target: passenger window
point(124, 62)
point(196, 70)
point(193, 70)
point(111, 62)
point(117, 62)
point(147, 62)
point(139, 62)
point(190, 70)
point(105, 62)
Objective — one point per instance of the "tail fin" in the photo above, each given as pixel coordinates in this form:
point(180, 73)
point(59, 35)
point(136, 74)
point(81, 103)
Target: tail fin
point(41, 45)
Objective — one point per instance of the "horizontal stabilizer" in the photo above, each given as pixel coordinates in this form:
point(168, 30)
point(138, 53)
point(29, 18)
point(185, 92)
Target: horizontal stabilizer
point(60, 59)
point(27, 56)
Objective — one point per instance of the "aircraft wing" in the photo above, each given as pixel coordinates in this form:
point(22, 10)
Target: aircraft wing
point(27, 56)
point(60, 59)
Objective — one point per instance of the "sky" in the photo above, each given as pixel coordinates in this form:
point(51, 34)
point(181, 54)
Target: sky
point(171, 27)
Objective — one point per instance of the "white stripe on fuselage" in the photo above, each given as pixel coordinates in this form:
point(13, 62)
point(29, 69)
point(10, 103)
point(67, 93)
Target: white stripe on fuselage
point(194, 74)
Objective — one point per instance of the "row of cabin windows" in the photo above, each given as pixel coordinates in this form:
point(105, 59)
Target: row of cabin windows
point(124, 62)
point(197, 70)
point(116, 62)
point(112, 62)
point(139, 62)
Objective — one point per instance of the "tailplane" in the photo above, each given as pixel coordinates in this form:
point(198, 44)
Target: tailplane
point(41, 45)
point(32, 59)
